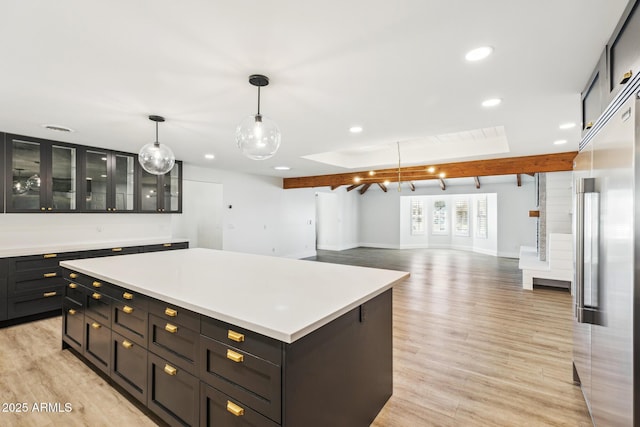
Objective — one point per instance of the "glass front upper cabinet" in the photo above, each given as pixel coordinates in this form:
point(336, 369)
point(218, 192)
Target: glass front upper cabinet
point(109, 181)
point(161, 193)
point(41, 176)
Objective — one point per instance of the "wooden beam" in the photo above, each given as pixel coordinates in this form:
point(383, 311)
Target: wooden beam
point(353, 187)
point(531, 174)
point(365, 188)
point(442, 185)
point(333, 187)
point(382, 186)
point(477, 181)
point(412, 186)
point(504, 166)
point(519, 180)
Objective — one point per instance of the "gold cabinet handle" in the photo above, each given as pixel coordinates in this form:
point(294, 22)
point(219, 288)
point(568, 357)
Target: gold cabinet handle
point(127, 295)
point(235, 336)
point(49, 208)
point(42, 209)
point(50, 294)
point(72, 312)
point(171, 328)
point(588, 125)
point(48, 275)
point(236, 410)
point(96, 295)
point(170, 312)
point(234, 356)
point(170, 369)
point(127, 309)
point(73, 275)
point(96, 325)
point(116, 250)
point(626, 77)
point(126, 344)
point(96, 284)
point(49, 255)
point(73, 285)
point(167, 245)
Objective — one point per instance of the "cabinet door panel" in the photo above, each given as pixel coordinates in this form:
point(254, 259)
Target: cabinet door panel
point(123, 182)
point(171, 201)
point(129, 366)
point(36, 303)
point(174, 342)
point(97, 338)
point(73, 324)
point(148, 192)
point(131, 321)
point(63, 178)
point(624, 51)
point(96, 180)
point(25, 174)
point(219, 410)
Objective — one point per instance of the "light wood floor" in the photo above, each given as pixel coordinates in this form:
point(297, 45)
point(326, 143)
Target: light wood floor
point(471, 348)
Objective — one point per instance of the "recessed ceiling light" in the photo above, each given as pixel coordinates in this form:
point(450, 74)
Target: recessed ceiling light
point(567, 125)
point(282, 168)
point(478, 53)
point(357, 179)
point(372, 173)
point(491, 102)
point(560, 142)
point(386, 182)
point(431, 169)
point(209, 156)
point(442, 175)
point(58, 128)
point(355, 129)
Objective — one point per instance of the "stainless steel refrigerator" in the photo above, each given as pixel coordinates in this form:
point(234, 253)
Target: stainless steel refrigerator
point(606, 289)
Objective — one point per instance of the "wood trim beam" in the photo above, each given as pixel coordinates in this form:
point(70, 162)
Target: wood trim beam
point(365, 188)
point(504, 166)
point(382, 186)
point(442, 184)
point(531, 174)
point(333, 187)
point(519, 180)
point(477, 181)
point(353, 187)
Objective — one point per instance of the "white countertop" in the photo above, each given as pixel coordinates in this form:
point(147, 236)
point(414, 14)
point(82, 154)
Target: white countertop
point(72, 247)
point(281, 298)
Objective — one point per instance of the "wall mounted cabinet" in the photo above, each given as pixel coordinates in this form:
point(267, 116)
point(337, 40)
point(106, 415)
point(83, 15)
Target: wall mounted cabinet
point(594, 94)
point(42, 175)
point(109, 181)
point(161, 193)
point(2, 162)
point(624, 50)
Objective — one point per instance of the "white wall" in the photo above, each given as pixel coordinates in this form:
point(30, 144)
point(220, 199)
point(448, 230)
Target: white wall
point(379, 223)
point(558, 208)
point(201, 218)
point(337, 219)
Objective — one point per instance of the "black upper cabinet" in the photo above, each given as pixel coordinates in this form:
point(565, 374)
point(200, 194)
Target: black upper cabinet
point(161, 193)
point(108, 181)
point(41, 175)
point(2, 161)
point(624, 49)
point(594, 94)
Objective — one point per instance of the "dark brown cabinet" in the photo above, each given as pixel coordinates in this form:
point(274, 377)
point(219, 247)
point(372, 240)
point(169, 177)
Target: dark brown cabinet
point(594, 95)
point(108, 179)
point(220, 410)
point(2, 174)
point(175, 342)
point(161, 193)
point(624, 49)
point(97, 342)
point(129, 366)
point(73, 324)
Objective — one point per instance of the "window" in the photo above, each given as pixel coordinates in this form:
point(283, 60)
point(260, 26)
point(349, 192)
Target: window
point(462, 218)
point(417, 216)
point(481, 217)
point(439, 225)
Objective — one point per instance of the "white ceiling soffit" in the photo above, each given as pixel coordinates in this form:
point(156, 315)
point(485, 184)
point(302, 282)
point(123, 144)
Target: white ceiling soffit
point(451, 146)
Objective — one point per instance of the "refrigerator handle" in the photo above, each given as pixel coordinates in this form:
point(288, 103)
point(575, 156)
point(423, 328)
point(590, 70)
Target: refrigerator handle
point(586, 197)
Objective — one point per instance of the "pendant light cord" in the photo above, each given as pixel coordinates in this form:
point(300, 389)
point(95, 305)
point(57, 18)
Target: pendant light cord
point(157, 142)
point(258, 100)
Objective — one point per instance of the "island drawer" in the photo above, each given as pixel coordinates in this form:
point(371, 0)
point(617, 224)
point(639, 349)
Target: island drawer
point(218, 409)
point(73, 324)
point(174, 314)
point(75, 292)
point(43, 261)
point(254, 381)
point(34, 280)
point(173, 392)
point(91, 283)
point(175, 342)
point(48, 299)
point(166, 247)
point(130, 320)
point(98, 305)
point(97, 339)
point(129, 297)
point(243, 339)
point(129, 366)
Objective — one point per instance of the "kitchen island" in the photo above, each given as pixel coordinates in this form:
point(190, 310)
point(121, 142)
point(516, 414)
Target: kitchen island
point(206, 337)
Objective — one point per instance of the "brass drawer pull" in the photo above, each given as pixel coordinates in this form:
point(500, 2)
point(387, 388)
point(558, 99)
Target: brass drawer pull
point(49, 255)
point(116, 250)
point(126, 344)
point(96, 325)
point(588, 125)
point(127, 309)
point(626, 77)
point(50, 294)
point(96, 295)
point(73, 285)
point(236, 410)
point(48, 275)
point(73, 275)
point(127, 295)
point(235, 336)
point(167, 245)
point(170, 370)
point(170, 312)
point(96, 284)
point(171, 328)
point(234, 356)
point(72, 312)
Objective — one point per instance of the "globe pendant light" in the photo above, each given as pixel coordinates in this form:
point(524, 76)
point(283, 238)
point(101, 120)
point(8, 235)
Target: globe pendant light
point(257, 136)
point(155, 158)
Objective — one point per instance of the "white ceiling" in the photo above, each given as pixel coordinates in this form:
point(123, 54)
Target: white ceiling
point(396, 68)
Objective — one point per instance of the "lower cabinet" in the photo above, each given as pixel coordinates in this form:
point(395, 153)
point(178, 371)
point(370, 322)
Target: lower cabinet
point(35, 303)
point(73, 324)
point(219, 410)
point(97, 339)
point(3, 309)
point(129, 366)
point(173, 392)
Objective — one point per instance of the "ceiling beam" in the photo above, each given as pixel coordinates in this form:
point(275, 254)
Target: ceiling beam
point(412, 186)
point(333, 187)
point(382, 186)
point(519, 180)
point(353, 187)
point(477, 181)
point(556, 162)
point(442, 184)
point(365, 188)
